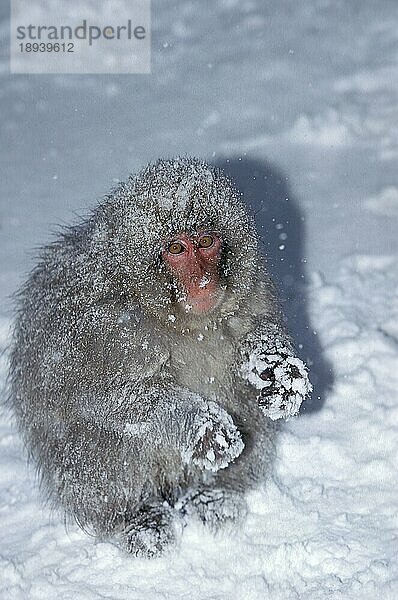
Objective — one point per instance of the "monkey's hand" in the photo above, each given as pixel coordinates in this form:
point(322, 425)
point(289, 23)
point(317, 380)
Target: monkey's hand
point(280, 378)
point(215, 441)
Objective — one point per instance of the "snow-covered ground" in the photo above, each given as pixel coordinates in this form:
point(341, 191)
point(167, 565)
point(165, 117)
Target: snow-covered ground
point(298, 100)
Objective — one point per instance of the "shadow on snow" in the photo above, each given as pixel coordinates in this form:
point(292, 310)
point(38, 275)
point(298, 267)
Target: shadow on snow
point(282, 232)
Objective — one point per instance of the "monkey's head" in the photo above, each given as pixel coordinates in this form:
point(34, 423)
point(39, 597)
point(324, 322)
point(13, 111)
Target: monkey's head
point(182, 243)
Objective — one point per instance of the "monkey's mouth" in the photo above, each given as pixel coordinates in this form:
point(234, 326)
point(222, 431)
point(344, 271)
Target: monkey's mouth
point(200, 295)
point(200, 305)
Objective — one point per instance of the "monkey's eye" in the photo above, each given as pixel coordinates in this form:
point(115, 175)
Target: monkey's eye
point(205, 241)
point(175, 248)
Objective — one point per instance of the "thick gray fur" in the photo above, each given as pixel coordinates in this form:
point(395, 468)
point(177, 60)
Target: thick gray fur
point(134, 410)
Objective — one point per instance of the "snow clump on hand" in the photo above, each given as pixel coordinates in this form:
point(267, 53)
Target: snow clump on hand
point(281, 380)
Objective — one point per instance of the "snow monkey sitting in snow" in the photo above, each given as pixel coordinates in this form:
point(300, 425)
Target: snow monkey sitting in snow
point(150, 361)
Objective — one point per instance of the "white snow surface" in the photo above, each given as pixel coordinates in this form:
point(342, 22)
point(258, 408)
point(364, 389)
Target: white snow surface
point(301, 99)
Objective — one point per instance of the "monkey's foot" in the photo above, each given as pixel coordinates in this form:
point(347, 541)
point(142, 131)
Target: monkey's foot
point(151, 531)
point(282, 381)
point(216, 441)
point(213, 507)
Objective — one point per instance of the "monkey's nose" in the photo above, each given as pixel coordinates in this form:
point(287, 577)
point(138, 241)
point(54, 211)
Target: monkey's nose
point(201, 279)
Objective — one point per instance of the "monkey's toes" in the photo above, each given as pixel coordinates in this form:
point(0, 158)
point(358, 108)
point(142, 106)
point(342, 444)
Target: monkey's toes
point(217, 441)
point(151, 531)
point(214, 507)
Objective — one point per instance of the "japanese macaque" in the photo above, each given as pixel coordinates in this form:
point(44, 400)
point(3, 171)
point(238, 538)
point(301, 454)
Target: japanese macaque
point(150, 360)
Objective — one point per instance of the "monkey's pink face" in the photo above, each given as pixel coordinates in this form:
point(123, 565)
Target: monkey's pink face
point(194, 262)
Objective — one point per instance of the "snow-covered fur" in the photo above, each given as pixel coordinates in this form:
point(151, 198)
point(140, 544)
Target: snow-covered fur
point(135, 411)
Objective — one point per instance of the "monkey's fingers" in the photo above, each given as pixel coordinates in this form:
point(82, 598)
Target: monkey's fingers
point(282, 381)
point(280, 403)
